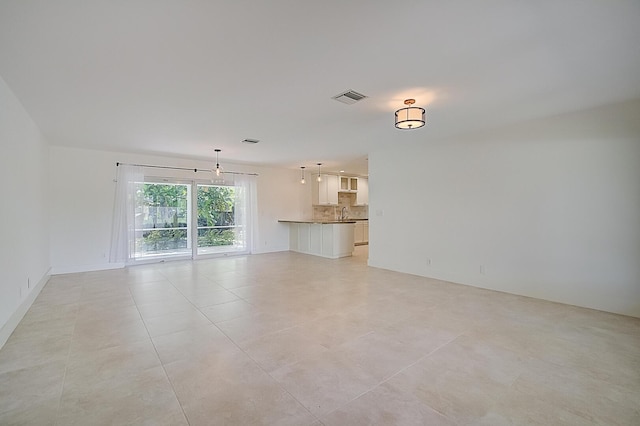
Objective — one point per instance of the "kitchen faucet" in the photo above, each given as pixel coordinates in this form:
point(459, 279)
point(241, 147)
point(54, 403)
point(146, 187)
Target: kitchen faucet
point(343, 213)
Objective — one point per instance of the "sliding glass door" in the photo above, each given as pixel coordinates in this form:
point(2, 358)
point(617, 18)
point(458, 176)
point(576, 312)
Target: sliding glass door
point(162, 220)
point(189, 219)
point(218, 230)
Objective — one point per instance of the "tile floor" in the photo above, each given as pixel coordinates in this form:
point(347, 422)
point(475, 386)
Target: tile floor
point(289, 339)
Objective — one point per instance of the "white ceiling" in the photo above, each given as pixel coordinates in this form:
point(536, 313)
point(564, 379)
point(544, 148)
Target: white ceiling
point(185, 77)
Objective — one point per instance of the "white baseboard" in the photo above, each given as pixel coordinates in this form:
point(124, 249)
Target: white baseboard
point(270, 250)
point(85, 268)
point(16, 317)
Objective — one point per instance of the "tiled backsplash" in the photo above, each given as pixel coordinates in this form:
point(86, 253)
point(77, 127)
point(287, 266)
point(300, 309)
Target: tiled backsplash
point(345, 199)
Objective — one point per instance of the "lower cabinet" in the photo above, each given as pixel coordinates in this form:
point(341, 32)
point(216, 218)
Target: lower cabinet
point(366, 231)
point(361, 232)
point(320, 239)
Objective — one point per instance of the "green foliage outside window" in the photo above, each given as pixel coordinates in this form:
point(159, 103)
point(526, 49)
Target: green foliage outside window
point(163, 216)
point(216, 208)
point(162, 206)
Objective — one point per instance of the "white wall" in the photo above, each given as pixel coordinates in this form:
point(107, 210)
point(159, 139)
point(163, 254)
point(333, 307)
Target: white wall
point(82, 194)
point(548, 209)
point(24, 251)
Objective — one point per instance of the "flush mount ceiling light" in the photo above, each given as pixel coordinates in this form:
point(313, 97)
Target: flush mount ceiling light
point(410, 117)
point(302, 180)
point(218, 169)
point(319, 177)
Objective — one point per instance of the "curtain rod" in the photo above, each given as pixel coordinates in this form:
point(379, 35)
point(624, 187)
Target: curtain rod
point(182, 168)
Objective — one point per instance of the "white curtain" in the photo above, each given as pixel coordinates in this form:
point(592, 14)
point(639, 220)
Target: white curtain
point(246, 207)
point(124, 214)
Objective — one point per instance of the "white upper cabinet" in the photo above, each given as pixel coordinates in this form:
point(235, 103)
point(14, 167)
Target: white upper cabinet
point(348, 184)
point(362, 196)
point(325, 192)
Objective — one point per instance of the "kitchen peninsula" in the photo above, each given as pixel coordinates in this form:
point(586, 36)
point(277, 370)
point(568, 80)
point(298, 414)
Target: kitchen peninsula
point(330, 239)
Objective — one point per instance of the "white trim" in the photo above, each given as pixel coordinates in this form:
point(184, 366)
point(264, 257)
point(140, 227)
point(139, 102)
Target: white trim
point(86, 268)
point(271, 250)
point(18, 314)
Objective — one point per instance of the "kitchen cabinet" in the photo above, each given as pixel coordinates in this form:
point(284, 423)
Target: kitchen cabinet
point(361, 232)
point(362, 196)
point(348, 184)
point(358, 233)
point(326, 239)
point(325, 192)
point(366, 232)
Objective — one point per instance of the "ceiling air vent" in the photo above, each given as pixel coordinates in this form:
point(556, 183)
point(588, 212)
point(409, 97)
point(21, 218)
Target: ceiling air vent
point(250, 141)
point(349, 97)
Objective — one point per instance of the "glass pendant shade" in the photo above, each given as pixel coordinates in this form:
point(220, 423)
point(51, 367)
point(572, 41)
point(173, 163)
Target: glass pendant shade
point(218, 168)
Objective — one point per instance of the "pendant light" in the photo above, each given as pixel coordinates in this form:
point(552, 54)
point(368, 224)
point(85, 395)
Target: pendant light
point(410, 117)
point(302, 180)
point(319, 177)
point(218, 169)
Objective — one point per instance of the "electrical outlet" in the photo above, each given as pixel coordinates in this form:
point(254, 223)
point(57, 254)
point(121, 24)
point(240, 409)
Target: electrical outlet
point(482, 270)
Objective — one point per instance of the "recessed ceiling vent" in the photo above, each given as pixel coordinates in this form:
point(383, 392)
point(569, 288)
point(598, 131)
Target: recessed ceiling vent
point(254, 141)
point(349, 97)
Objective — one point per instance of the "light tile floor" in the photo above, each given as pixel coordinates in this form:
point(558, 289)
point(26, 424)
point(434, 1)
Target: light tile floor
point(289, 339)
